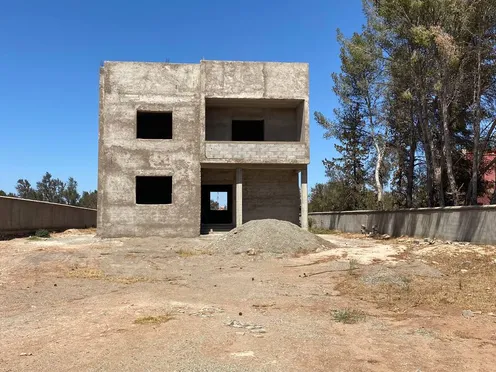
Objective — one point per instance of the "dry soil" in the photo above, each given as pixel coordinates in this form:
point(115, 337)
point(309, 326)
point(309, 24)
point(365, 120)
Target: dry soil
point(75, 302)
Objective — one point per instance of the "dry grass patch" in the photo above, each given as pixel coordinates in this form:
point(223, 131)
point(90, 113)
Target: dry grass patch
point(154, 319)
point(348, 316)
point(471, 289)
point(98, 274)
point(86, 273)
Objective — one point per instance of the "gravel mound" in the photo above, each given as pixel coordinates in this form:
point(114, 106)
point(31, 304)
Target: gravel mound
point(399, 275)
point(269, 236)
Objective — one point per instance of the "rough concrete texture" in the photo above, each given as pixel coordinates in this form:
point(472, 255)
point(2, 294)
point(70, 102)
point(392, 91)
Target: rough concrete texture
point(280, 124)
point(269, 193)
point(256, 153)
point(184, 89)
point(471, 224)
point(22, 216)
point(252, 81)
point(128, 87)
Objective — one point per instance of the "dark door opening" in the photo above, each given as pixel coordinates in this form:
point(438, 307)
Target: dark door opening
point(216, 204)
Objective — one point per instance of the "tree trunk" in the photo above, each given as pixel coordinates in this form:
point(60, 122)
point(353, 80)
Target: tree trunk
point(427, 152)
point(447, 151)
point(378, 183)
point(477, 120)
point(411, 163)
point(410, 174)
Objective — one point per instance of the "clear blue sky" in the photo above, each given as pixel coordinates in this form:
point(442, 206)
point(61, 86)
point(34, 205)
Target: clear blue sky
point(50, 53)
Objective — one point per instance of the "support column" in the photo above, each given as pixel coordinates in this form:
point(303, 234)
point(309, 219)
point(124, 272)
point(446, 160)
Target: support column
point(239, 197)
point(304, 199)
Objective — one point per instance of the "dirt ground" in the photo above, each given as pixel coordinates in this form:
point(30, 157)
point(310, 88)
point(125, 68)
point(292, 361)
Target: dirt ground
point(76, 302)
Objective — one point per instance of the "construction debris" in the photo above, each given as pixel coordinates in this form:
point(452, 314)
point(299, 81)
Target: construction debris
point(269, 236)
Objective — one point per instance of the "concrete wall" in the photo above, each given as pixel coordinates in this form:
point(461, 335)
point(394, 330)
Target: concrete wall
point(22, 216)
point(279, 123)
point(252, 81)
point(271, 193)
point(125, 88)
point(471, 224)
point(256, 152)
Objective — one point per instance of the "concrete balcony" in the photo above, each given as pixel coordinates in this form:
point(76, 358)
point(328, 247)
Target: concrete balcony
point(254, 152)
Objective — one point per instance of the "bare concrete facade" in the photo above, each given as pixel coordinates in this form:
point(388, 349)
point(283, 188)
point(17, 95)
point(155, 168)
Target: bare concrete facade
point(213, 106)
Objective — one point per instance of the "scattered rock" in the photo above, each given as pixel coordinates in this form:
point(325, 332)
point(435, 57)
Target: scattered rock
point(467, 313)
point(243, 354)
point(207, 312)
point(463, 271)
point(253, 328)
point(25, 354)
point(491, 314)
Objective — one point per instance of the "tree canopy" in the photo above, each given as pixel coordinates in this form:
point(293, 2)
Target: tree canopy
point(417, 105)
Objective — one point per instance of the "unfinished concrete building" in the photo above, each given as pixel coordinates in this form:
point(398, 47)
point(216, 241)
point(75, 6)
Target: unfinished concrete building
point(173, 135)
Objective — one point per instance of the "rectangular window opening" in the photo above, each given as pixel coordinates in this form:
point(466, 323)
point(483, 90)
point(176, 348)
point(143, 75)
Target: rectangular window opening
point(247, 130)
point(153, 125)
point(153, 190)
point(218, 201)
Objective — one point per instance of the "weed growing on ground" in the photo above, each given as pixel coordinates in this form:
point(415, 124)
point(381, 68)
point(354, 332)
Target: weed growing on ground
point(353, 266)
point(42, 233)
point(158, 319)
point(94, 273)
point(348, 316)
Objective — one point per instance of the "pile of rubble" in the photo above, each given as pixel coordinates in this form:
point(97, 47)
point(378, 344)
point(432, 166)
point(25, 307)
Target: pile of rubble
point(269, 236)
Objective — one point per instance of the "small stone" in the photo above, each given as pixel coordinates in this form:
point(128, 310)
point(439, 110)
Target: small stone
point(257, 335)
point(478, 312)
point(240, 333)
point(463, 271)
point(240, 313)
point(25, 354)
point(244, 354)
point(260, 330)
point(467, 313)
point(491, 314)
point(435, 262)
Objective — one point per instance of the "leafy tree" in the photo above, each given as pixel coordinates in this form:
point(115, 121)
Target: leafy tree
point(51, 189)
point(88, 199)
point(422, 76)
point(25, 191)
point(361, 90)
point(2, 193)
point(214, 205)
point(70, 193)
point(349, 169)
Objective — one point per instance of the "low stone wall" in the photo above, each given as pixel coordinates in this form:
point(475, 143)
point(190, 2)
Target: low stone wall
point(18, 216)
point(476, 224)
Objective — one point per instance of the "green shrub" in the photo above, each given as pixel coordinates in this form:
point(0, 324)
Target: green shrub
point(42, 233)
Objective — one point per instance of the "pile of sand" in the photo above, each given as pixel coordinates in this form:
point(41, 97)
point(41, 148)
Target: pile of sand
point(269, 236)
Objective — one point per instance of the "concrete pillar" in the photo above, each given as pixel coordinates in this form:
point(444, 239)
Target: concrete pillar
point(239, 197)
point(304, 199)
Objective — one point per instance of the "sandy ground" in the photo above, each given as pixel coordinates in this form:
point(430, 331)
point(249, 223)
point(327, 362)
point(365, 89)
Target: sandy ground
point(75, 302)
